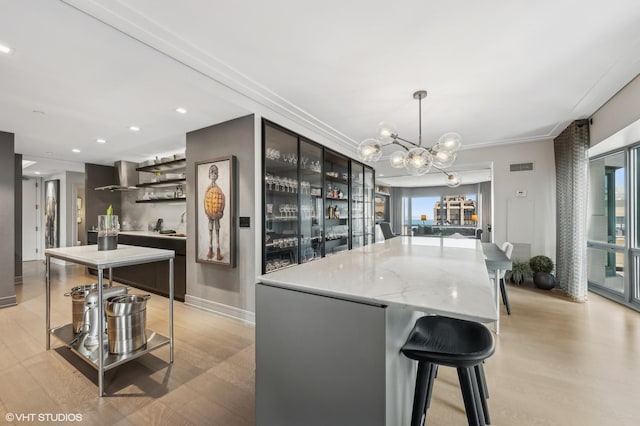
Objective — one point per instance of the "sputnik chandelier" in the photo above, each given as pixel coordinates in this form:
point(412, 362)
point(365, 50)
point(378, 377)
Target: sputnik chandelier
point(417, 159)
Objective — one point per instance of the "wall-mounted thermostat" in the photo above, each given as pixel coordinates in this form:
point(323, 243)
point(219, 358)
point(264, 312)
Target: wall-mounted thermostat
point(521, 194)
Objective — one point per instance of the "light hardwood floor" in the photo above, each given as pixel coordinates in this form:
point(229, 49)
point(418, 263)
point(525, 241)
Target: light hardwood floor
point(557, 363)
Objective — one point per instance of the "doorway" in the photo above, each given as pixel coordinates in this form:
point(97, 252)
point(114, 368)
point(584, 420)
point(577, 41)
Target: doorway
point(30, 225)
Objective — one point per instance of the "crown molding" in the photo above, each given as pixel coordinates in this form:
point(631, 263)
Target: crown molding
point(234, 84)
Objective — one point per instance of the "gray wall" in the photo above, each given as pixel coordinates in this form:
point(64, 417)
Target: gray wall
point(7, 218)
point(18, 218)
point(226, 290)
point(97, 202)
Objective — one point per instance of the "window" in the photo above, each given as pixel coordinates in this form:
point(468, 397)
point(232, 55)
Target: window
point(440, 215)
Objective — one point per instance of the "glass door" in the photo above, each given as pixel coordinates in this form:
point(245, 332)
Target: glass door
point(336, 207)
point(281, 210)
point(311, 202)
point(369, 200)
point(357, 205)
point(607, 239)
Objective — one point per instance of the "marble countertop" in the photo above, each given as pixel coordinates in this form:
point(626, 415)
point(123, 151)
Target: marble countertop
point(444, 276)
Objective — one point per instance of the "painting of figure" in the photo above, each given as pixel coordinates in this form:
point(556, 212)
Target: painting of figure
point(215, 221)
point(51, 214)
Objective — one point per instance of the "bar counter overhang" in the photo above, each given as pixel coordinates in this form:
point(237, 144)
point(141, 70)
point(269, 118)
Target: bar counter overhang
point(329, 332)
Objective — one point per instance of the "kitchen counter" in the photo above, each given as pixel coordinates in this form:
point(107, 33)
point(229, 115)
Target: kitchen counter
point(347, 316)
point(177, 235)
point(152, 276)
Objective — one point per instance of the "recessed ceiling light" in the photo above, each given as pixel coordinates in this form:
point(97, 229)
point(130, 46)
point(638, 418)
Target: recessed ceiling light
point(36, 173)
point(181, 110)
point(49, 153)
point(134, 128)
point(76, 150)
point(100, 140)
point(5, 49)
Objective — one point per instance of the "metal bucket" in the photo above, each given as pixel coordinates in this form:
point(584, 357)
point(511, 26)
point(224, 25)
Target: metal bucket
point(126, 323)
point(78, 309)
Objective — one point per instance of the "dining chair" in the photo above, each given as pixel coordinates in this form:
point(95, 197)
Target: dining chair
point(507, 248)
point(385, 227)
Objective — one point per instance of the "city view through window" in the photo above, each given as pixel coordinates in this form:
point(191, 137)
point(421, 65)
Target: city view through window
point(452, 210)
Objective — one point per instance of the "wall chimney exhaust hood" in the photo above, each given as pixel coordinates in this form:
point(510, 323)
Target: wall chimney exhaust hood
point(125, 178)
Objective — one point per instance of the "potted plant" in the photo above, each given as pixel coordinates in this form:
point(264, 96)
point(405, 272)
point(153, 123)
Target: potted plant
point(519, 273)
point(542, 266)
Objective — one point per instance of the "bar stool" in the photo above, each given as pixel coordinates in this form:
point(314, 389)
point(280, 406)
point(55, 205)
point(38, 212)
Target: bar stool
point(451, 342)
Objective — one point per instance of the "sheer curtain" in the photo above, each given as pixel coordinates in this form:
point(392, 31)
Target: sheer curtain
point(572, 169)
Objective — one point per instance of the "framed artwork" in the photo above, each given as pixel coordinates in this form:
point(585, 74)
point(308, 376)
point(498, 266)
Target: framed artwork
point(215, 220)
point(51, 213)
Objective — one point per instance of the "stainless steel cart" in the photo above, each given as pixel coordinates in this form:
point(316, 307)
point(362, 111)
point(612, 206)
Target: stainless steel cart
point(89, 256)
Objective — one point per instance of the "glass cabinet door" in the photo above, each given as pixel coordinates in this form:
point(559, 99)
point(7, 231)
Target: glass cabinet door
point(357, 205)
point(311, 202)
point(336, 207)
point(369, 206)
point(281, 208)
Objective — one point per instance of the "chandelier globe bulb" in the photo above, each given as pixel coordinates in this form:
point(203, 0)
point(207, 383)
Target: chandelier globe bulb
point(450, 141)
point(442, 158)
point(453, 180)
point(387, 132)
point(418, 161)
point(397, 159)
point(370, 150)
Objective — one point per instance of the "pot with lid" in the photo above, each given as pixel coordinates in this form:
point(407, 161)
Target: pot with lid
point(78, 307)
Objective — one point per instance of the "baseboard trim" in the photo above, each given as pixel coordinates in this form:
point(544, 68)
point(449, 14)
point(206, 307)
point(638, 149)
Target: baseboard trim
point(221, 309)
point(7, 301)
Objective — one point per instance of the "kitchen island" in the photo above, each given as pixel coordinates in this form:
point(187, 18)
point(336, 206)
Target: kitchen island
point(329, 332)
point(152, 277)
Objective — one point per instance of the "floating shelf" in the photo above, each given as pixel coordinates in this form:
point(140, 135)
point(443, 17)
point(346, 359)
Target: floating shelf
point(163, 200)
point(162, 183)
point(164, 167)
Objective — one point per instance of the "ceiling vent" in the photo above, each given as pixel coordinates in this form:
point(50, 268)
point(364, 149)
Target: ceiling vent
point(521, 167)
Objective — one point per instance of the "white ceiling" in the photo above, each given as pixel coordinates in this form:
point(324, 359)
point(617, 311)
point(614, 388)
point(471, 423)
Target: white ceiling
point(496, 72)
